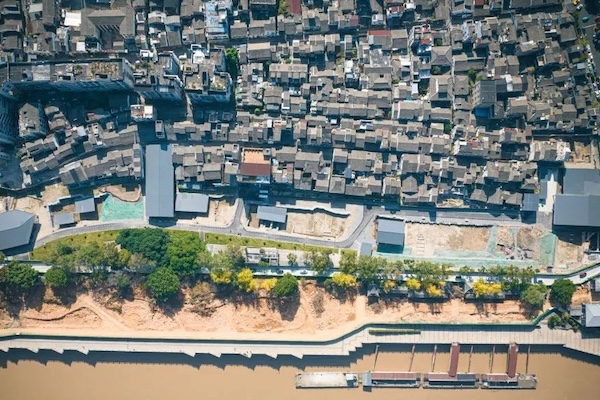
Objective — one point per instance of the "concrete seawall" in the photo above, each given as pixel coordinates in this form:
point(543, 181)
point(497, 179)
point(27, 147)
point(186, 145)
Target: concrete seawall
point(342, 346)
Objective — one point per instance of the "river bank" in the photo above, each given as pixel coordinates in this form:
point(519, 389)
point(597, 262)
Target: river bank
point(151, 376)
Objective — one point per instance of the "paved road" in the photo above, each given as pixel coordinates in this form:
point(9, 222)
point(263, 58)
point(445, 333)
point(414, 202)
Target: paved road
point(467, 217)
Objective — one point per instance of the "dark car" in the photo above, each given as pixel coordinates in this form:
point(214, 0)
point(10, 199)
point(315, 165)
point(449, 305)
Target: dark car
point(279, 272)
point(583, 274)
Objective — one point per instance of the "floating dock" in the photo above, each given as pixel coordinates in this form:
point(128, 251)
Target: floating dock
point(391, 379)
point(503, 381)
point(443, 380)
point(306, 380)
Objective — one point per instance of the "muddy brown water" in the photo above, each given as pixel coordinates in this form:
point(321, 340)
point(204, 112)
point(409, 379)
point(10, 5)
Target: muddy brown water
point(102, 376)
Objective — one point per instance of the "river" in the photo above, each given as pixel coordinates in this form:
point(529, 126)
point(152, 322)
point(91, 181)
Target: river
point(103, 376)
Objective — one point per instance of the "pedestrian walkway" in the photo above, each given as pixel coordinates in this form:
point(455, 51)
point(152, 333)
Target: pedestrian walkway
point(429, 334)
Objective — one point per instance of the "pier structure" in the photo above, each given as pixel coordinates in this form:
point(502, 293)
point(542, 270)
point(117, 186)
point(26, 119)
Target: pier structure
point(511, 379)
point(391, 379)
point(307, 380)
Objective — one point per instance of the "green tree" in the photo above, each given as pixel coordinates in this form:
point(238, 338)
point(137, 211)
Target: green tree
point(235, 256)
point(149, 242)
point(221, 276)
point(283, 8)
point(436, 70)
point(19, 275)
point(182, 252)
point(204, 259)
point(472, 74)
point(464, 270)
point(163, 284)
point(348, 262)
point(369, 268)
point(561, 292)
point(2, 257)
point(124, 257)
point(122, 283)
point(534, 296)
point(286, 286)
point(57, 277)
point(139, 264)
point(319, 261)
point(232, 62)
point(292, 259)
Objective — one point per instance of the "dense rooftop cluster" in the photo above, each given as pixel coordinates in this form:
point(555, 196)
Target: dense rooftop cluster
point(418, 102)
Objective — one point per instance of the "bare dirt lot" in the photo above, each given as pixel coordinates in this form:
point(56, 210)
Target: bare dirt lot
point(569, 252)
point(582, 295)
point(203, 310)
point(130, 193)
point(316, 224)
point(424, 239)
point(221, 213)
point(526, 239)
point(452, 311)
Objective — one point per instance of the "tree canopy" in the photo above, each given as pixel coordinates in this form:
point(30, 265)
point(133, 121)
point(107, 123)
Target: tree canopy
point(149, 242)
point(561, 292)
point(369, 268)
point(534, 296)
point(483, 288)
point(182, 252)
point(348, 262)
point(344, 281)
point(163, 284)
point(268, 284)
point(319, 261)
point(245, 281)
point(286, 286)
point(19, 275)
point(232, 61)
point(57, 277)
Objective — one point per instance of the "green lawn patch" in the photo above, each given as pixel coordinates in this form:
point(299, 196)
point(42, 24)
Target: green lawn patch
point(216, 238)
point(42, 252)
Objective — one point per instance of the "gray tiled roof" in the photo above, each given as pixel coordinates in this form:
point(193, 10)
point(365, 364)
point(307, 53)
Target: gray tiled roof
point(592, 315)
point(390, 232)
point(160, 181)
point(15, 228)
point(192, 202)
point(273, 214)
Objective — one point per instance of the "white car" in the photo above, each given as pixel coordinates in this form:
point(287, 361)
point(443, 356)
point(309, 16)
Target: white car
point(579, 7)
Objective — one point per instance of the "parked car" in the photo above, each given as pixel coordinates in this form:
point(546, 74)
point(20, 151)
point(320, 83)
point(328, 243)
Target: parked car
point(583, 274)
point(579, 7)
point(279, 272)
point(576, 2)
point(586, 18)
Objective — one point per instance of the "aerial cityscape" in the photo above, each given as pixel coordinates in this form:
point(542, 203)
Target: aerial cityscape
point(251, 198)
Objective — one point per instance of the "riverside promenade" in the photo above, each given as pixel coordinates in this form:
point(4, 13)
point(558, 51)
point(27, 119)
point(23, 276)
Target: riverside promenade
point(300, 347)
